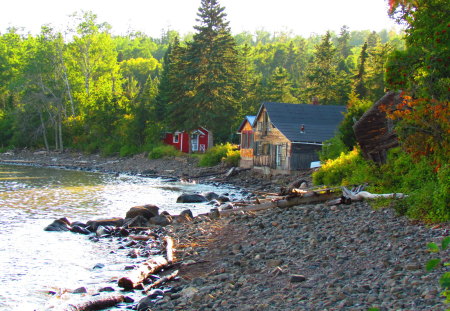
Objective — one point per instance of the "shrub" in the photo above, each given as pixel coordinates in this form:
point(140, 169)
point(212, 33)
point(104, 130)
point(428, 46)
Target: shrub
point(348, 169)
point(128, 150)
point(218, 153)
point(110, 149)
point(332, 149)
point(163, 151)
point(232, 157)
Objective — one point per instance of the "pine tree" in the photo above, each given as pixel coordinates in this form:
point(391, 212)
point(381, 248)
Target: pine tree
point(360, 78)
point(211, 76)
point(279, 88)
point(323, 75)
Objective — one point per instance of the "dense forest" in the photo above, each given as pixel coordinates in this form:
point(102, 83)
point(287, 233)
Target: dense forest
point(87, 89)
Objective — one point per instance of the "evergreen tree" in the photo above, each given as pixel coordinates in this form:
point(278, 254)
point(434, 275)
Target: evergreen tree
point(360, 78)
point(323, 74)
point(279, 88)
point(210, 76)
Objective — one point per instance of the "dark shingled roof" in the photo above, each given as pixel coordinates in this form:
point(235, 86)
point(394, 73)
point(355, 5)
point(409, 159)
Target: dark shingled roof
point(320, 122)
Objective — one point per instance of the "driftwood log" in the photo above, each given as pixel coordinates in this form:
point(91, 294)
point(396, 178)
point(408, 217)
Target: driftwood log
point(361, 195)
point(95, 303)
point(161, 281)
point(169, 249)
point(137, 276)
point(310, 197)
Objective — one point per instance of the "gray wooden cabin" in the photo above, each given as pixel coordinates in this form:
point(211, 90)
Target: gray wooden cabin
point(287, 137)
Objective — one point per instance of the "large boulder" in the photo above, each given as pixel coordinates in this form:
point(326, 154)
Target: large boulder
point(191, 198)
point(211, 195)
point(161, 220)
point(62, 224)
point(94, 224)
point(147, 211)
point(185, 216)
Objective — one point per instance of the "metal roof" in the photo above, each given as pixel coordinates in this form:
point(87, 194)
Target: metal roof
point(250, 120)
point(320, 122)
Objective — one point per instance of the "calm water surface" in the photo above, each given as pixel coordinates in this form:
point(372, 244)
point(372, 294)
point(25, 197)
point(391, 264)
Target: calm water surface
point(33, 261)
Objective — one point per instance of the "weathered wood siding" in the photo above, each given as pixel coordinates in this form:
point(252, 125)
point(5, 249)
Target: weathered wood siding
point(374, 131)
point(271, 147)
point(302, 156)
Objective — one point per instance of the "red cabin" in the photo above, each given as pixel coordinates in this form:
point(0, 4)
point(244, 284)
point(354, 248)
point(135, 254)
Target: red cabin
point(198, 140)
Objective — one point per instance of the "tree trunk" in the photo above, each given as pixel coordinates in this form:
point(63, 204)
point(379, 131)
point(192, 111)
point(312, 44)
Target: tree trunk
point(138, 275)
point(44, 131)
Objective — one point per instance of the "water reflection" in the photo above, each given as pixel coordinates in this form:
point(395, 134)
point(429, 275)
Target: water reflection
point(34, 261)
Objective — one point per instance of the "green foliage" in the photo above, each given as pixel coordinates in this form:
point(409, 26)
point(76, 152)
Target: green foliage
point(348, 169)
point(232, 157)
point(164, 151)
point(332, 149)
point(428, 196)
point(434, 263)
point(223, 152)
point(110, 149)
point(128, 150)
point(355, 109)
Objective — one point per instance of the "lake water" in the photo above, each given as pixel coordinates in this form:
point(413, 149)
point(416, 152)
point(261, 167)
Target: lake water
point(34, 262)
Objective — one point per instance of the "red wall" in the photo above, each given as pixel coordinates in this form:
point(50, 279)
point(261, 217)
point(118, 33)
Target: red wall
point(183, 143)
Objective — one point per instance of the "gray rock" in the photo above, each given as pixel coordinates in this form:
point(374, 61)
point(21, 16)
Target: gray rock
point(161, 220)
point(191, 198)
point(137, 222)
point(147, 211)
point(94, 224)
point(62, 224)
point(80, 290)
point(211, 196)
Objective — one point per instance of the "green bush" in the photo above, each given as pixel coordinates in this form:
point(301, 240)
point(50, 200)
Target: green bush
point(164, 151)
point(348, 169)
point(218, 153)
point(232, 158)
point(426, 186)
point(332, 149)
point(128, 150)
point(110, 149)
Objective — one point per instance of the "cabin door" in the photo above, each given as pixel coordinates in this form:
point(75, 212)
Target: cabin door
point(194, 142)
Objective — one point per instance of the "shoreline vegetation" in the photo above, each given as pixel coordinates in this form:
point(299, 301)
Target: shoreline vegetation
point(303, 257)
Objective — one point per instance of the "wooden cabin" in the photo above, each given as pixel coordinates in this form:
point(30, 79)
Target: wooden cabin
point(196, 141)
point(287, 137)
point(374, 132)
point(246, 142)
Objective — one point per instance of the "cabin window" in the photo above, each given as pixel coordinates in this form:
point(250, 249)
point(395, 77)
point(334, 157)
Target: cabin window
point(176, 138)
point(247, 140)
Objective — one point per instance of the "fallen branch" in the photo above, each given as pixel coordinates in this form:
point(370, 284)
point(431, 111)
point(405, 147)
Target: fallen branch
point(162, 280)
point(137, 276)
point(95, 303)
point(363, 195)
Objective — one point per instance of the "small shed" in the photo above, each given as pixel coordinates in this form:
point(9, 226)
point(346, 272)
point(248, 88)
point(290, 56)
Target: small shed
point(374, 132)
point(198, 140)
point(246, 142)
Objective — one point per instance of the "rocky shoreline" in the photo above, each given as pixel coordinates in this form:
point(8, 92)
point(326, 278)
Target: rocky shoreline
point(308, 257)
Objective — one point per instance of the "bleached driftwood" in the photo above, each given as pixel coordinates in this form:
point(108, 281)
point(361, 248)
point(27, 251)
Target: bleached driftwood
point(169, 249)
point(137, 276)
point(161, 281)
point(364, 195)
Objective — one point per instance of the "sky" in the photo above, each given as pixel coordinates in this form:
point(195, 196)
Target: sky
point(301, 17)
